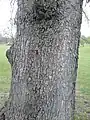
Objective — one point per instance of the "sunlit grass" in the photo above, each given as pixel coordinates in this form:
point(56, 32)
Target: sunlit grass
point(4, 70)
point(84, 70)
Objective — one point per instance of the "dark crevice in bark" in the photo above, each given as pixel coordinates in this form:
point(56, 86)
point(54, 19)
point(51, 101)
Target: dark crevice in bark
point(2, 117)
point(3, 111)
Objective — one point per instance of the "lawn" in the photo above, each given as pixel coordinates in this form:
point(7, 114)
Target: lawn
point(84, 70)
point(4, 70)
point(83, 84)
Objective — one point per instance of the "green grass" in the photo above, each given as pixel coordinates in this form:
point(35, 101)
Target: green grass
point(4, 70)
point(83, 84)
point(84, 70)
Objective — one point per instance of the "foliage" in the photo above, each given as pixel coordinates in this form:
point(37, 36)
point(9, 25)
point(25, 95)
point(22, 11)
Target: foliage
point(84, 40)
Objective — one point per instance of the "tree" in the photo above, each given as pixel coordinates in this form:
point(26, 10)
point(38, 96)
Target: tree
point(84, 40)
point(44, 60)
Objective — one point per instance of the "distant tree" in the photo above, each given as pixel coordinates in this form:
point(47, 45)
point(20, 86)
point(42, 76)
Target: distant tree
point(84, 40)
point(88, 39)
point(3, 39)
point(10, 31)
point(0, 35)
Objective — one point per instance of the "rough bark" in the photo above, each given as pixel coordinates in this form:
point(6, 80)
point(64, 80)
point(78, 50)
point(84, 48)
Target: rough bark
point(44, 60)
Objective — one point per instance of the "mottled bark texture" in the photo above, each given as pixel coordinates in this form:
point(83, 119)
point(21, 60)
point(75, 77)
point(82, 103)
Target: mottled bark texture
point(44, 60)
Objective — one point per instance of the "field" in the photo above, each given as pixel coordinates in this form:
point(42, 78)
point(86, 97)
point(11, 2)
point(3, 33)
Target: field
point(83, 81)
point(4, 70)
point(4, 74)
point(83, 84)
point(84, 70)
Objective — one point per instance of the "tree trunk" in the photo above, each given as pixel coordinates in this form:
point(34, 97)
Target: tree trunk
point(44, 60)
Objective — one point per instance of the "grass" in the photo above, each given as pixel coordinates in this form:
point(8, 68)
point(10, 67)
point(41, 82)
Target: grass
point(84, 70)
point(4, 70)
point(4, 75)
point(83, 84)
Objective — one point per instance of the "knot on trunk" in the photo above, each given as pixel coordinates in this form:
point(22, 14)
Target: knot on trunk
point(45, 10)
point(9, 53)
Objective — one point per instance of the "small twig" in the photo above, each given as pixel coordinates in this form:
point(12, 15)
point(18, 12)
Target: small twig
point(87, 1)
point(87, 18)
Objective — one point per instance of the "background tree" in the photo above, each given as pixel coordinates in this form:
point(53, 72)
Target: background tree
point(10, 31)
point(84, 40)
point(44, 60)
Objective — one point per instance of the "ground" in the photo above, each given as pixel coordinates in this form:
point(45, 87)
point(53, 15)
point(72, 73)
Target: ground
point(84, 70)
point(5, 74)
point(83, 81)
point(83, 84)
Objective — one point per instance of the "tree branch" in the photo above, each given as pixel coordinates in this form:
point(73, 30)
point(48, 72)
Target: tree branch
point(86, 16)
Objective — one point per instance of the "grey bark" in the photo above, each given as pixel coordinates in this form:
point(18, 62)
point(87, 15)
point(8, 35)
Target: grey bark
point(45, 60)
